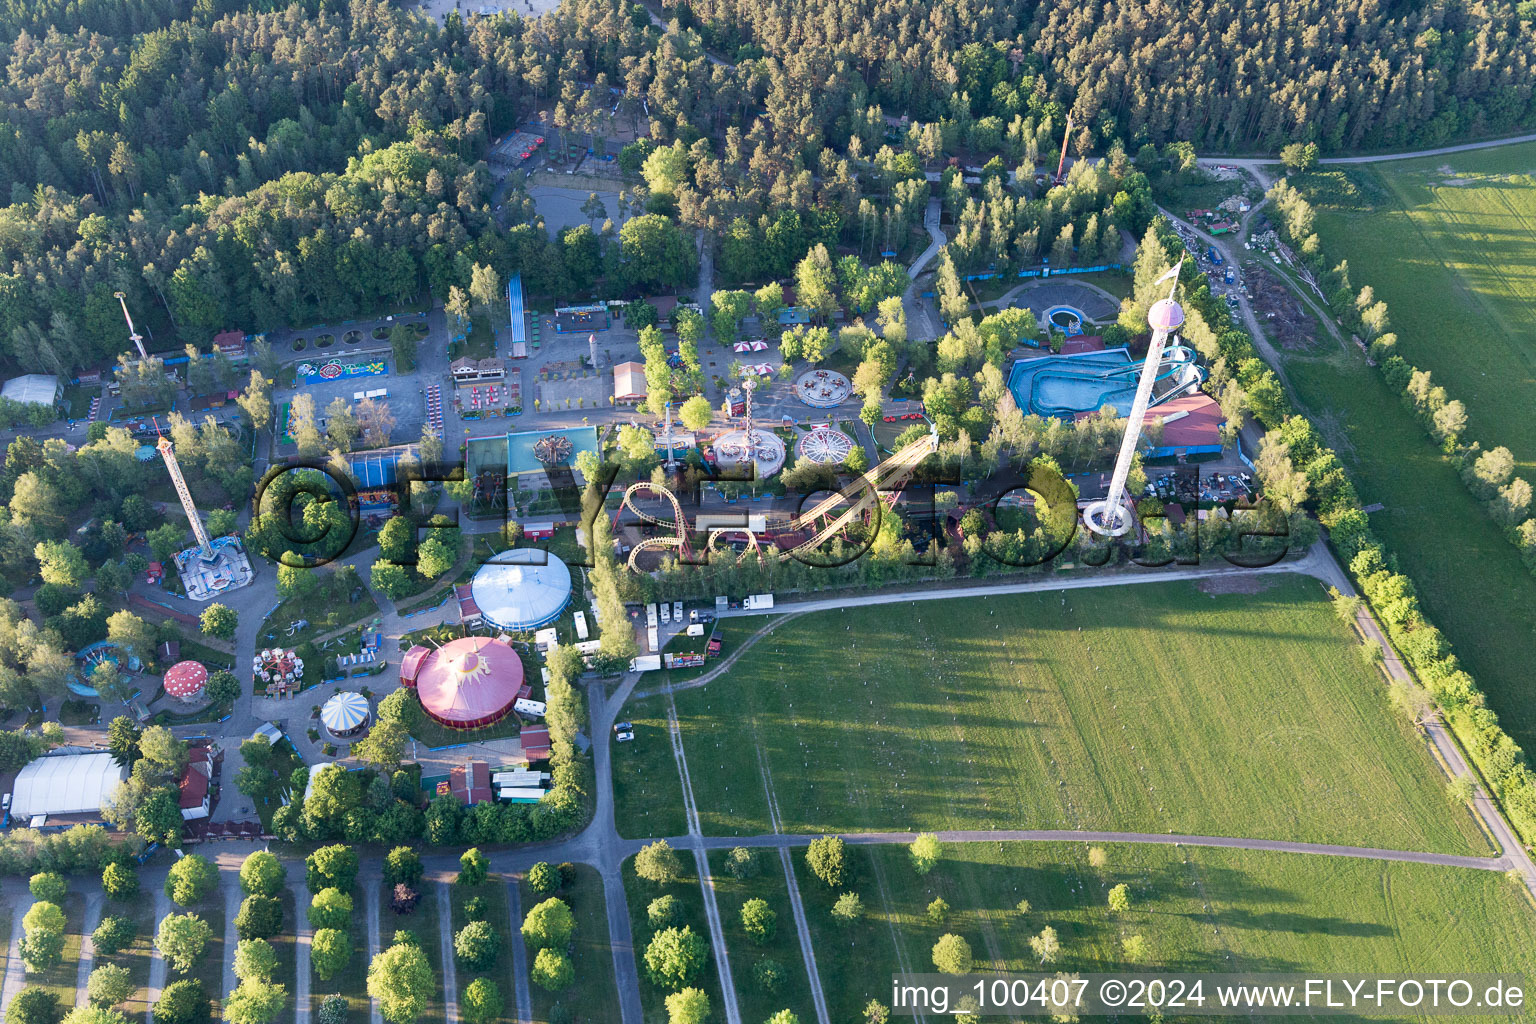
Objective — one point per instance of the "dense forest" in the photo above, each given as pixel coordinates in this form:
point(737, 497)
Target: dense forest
point(251, 165)
point(1223, 74)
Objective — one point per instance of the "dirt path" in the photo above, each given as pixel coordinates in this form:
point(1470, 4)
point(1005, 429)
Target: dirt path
point(93, 906)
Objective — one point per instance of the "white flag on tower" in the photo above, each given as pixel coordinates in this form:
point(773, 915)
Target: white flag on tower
point(1173, 272)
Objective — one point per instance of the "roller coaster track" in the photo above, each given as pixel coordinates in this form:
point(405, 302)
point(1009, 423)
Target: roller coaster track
point(678, 525)
point(860, 495)
point(893, 472)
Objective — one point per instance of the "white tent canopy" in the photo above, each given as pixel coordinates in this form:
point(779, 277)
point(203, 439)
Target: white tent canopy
point(344, 712)
point(66, 784)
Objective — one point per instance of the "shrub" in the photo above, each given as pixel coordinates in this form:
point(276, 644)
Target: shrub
point(758, 920)
point(549, 925)
point(480, 1002)
point(333, 1010)
point(119, 881)
point(402, 864)
point(543, 879)
point(675, 956)
point(330, 908)
point(658, 863)
point(552, 970)
point(34, 1005)
point(664, 911)
point(825, 857)
point(262, 874)
point(769, 975)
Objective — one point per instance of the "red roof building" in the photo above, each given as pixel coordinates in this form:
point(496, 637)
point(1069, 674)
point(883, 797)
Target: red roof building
point(535, 739)
point(1191, 425)
point(470, 783)
point(1082, 343)
point(196, 781)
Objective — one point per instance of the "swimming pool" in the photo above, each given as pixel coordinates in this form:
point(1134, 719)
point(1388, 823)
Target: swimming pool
point(520, 457)
point(1065, 385)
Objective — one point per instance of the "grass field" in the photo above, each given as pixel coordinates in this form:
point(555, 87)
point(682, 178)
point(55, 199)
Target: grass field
point(1456, 264)
point(1196, 909)
point(784, 947)
point(1147, 708)
point(61, 977)
point(593, 999)
point(352, 980)
point(638, 894)
point(493, 892)
point(423, 922)
point(646, 787)
point(1450, 243)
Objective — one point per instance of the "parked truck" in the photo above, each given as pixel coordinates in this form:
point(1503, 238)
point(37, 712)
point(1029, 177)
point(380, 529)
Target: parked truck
point(758, 602)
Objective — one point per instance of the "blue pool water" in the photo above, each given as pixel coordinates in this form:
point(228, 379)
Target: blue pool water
point(1065, 385)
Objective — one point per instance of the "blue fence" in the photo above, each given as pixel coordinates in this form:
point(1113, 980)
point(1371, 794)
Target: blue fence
point(1043, 271)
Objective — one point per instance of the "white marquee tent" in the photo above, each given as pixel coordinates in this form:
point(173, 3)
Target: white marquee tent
point(65, 784)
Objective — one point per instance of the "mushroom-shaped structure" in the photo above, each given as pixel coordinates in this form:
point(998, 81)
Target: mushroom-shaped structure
point(466, 683)
point(521, 589)
point(185, 679)
point(345, 714)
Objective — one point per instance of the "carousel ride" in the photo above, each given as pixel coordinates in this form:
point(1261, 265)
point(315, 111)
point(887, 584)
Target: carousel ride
point(823, 389)
point(278, 668)
point(763, 448)
point(824, 445)
point(553, 450)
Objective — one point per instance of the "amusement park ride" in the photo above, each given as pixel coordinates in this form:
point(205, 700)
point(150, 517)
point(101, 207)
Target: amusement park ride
point(211, 566)
point(822, 521)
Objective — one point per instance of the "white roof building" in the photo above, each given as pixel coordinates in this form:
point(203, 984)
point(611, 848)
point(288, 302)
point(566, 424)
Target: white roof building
point(522, 589)
point(65, 784)
point(33, 389)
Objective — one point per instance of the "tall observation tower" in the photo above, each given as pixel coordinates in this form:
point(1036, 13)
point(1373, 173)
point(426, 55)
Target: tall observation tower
point(212, 565)
point(133, 335)
point(168, 453)
point(1113, 516)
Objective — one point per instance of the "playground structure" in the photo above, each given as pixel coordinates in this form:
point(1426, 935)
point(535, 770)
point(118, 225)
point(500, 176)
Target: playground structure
point(490, 489)
point(823, 389)
point(824, 445)
point(821, 521)
point(210, 567)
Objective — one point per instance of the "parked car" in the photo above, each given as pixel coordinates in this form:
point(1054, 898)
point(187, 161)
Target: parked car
point(624, 737)
point(619, 727)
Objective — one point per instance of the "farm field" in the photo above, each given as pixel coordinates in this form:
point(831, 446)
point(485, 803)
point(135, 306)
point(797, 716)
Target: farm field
point(1196, 909)
point(1149, 708)
point(1469, 578)
point(1455, 264)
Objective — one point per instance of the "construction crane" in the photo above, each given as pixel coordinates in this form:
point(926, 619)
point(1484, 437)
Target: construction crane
point(133, 335)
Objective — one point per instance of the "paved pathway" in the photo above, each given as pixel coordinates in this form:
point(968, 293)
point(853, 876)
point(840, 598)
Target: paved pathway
point(15, 970)
point(524, 999)
point(156, 961)
point(445, 945)
point(920, 322)
point(792, 885)
point(371, 883)
point(303, 935)
point(94, 901)
point(232, 897)
point(773, 841)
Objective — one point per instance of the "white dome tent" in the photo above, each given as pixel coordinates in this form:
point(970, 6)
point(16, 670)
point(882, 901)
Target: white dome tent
point(522, 589)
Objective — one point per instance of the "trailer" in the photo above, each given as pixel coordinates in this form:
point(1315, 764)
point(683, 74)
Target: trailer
point(530, 708)
point(520, 778)
point(581, 625)
point(697, 629)
point(1215, 256)
point(645, 663)
point(651, 618)
point(520, 795)
point(758, 602)
point(654, 638)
